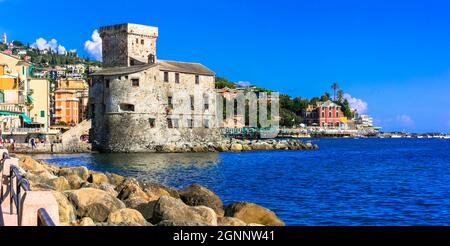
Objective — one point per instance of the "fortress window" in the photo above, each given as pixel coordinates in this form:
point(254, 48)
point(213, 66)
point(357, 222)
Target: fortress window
point(166, 76)
point(107, 83)
point(197, 79)
point(206, 102)
point(177, 78)
point(206, 123)
point(142, 41)
point(169, 123)
point(192, 103)
point(151, 121)
point(125, 107)
point(135, 82)
point(169, 102)
point(190, 123)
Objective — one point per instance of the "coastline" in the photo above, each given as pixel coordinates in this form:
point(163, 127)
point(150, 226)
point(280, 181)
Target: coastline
point(90, 198)
point(227, 145)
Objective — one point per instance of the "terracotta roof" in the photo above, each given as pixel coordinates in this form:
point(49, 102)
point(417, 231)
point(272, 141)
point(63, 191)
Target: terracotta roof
point(184, 67)
point(123, 70)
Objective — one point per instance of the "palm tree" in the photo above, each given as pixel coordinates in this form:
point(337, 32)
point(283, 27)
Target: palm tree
point(335, 87)
point(340, 96)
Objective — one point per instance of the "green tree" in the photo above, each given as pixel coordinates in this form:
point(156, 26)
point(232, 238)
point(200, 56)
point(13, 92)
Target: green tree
point(340, 96)
point(222, 82)
point(325, 97)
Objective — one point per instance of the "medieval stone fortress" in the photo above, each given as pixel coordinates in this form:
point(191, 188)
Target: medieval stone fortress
point(138, 102)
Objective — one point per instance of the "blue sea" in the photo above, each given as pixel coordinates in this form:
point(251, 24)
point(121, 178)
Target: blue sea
point(349, 182)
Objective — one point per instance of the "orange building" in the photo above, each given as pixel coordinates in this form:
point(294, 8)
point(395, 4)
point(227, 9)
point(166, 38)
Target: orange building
point(70, 101)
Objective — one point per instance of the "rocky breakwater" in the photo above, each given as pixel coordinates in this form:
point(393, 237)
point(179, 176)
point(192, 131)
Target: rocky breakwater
point(236, 145)
point(89, 198)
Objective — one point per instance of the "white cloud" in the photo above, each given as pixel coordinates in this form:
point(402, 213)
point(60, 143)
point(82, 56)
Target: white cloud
point(244, 83)
point(404, 120)
point(356, 103)
point(43, 44)
point(94, 47)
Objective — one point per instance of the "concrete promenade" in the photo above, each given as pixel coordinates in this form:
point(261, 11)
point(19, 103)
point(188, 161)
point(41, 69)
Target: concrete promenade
point(29, 202)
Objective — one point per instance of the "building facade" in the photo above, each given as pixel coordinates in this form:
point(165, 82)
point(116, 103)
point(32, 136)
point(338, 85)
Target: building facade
point(40, 112)
point(14, 92)
point(138, 103)
point(70, 101)
point(325, 114)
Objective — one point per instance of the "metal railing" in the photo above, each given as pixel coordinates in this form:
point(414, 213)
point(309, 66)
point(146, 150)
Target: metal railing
point(17, 187)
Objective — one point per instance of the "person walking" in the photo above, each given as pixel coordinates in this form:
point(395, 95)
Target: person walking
point(33, 143)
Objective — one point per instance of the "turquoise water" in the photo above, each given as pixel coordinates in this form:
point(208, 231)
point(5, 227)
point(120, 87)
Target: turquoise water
point(345, 182)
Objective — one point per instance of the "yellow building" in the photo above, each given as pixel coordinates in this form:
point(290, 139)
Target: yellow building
point(40, 94)
point(7, 82)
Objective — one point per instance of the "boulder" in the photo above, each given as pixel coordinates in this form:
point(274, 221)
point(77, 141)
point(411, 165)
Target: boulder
point(81, 172)
point(98, 178)
point(141, 205)
point(86, 221)
point(155, 191)
point(130, 188)
point(172, 209)
point(75, 182)
point(53, 169)
point(127, 215)
point(222, 147)
point(236, 147)
point(208, 215)
point(253, 213)
point(115, 179)
point(246, 147)
point(60, 184)
point(281, 146)
point(198, 148)
point(43, 180)
point(197, 195)
point(94, 203)
point(29, 164)
point(108, 188)
point(230, 221)
point(66, 210)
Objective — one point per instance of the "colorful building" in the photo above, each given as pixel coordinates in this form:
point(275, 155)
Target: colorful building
point(325, 114)
point(14, 89)
point(40, 96)
point(70, 101)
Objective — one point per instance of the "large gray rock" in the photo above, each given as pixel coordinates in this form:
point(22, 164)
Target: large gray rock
point(172, 209)
point(94, 203)
point(253, 213)
point(197, 195)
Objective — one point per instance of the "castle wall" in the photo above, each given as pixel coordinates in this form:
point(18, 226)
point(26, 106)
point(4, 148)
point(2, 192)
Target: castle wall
point(119, 131)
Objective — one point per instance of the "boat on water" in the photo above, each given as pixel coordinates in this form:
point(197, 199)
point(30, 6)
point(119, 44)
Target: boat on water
point(396, 136)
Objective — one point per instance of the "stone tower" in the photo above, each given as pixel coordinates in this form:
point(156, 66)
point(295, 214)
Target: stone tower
point(127, 45)
point(5, 41)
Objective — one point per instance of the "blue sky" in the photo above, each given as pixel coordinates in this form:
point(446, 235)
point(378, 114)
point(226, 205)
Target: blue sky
point(394, 56)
